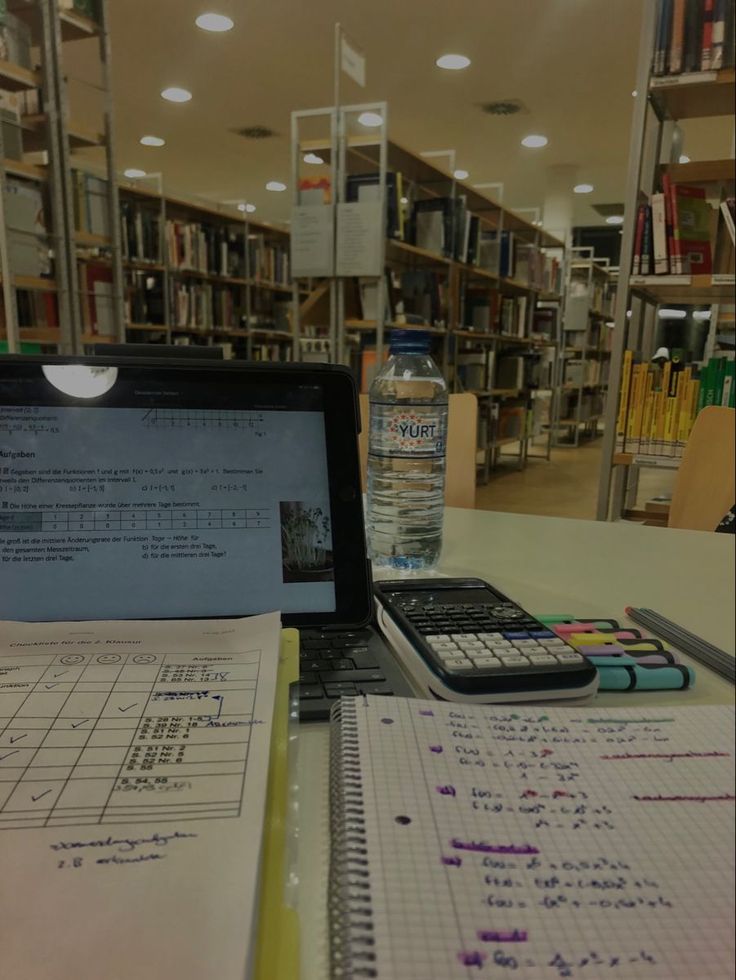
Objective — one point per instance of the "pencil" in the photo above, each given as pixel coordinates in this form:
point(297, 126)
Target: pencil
point(694, 646)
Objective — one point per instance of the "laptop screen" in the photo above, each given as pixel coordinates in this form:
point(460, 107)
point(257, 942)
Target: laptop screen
point(164, 498)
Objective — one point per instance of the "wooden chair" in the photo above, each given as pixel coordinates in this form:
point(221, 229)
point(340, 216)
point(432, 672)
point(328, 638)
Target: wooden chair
point(462, 424)
point(704, 489)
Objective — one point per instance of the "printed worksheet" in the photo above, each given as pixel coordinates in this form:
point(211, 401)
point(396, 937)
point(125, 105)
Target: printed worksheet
point(133, 767)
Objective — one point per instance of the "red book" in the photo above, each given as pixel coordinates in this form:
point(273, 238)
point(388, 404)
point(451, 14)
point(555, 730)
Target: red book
point(638, 238)
point(707, 34)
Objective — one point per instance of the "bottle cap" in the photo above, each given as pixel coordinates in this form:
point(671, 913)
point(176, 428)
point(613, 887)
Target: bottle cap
point(409, 342)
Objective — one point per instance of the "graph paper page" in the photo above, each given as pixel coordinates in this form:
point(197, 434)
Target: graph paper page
point(553, 842)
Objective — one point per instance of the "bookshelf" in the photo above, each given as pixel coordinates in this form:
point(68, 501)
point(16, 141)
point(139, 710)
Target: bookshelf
point(665, 97)
point(199, 273)
point(448, 268)
point(586, 346)
point(48, 138)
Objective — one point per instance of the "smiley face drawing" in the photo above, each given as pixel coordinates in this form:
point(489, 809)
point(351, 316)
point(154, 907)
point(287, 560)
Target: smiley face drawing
point(144, 658)
point(108, 658)
point(72, 658)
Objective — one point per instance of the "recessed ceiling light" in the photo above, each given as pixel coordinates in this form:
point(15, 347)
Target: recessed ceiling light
point(684, 158)
point(460, 174)
point(666, 314)
point(701, 314)
point(312, 158)
point(250, 208)
point(404, 200)
point(275, 185)
point(452, 62)
point(216, 23)
point(370, 119)
point(152, 141)
point(615, 219)
point(635, 93)
point(134, 172)
point(583, 189)
point(176, 94)
point(534, 141)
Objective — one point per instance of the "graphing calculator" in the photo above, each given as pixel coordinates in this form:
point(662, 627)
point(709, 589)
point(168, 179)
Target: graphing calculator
point(460, 639)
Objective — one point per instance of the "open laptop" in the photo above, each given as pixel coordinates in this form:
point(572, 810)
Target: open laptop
point(152, 489)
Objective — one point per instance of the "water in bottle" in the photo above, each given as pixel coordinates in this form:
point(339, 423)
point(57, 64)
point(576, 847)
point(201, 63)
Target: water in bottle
point(406, 456)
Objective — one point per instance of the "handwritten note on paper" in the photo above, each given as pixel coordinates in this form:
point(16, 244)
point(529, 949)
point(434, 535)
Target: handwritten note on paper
point(545, 843)
point(133, 767)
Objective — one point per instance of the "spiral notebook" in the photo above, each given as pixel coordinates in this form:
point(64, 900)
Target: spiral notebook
point(486, 841)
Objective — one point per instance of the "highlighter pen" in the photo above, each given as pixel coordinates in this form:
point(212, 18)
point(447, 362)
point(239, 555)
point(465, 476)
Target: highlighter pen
point(614, 650)
point(639, 678)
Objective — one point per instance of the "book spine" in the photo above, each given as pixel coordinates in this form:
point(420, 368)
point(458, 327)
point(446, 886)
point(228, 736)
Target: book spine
point(636, 269)
point(646, 424)
point(707, 35)
point(678, 36)
point(670, 218)
point(646, 245)
point(632, 432)
point(623, 405)
point(719, 34)
point(659, 235)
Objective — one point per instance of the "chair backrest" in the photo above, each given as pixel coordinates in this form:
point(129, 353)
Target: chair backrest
point(462, 424)
point(704, 489)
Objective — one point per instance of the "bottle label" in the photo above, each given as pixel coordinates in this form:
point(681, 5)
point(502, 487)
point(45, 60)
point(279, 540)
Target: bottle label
point(408, 430)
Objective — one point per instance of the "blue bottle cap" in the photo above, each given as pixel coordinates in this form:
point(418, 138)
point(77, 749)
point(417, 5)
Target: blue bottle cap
point(410, 342)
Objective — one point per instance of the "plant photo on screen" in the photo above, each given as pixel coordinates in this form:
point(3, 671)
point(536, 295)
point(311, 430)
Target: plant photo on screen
point(306, 543)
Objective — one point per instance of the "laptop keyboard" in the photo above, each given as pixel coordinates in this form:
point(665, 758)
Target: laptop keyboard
point(333, 665)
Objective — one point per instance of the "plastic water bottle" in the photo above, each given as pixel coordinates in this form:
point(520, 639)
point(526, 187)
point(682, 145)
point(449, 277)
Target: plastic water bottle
point(406, 456)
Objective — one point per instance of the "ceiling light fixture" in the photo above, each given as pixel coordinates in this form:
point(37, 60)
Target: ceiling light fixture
point(370, 119)
point(701, 314)
point(214, 23)
point(250, 208)
point(583, 189)
point(404, 200)
point(615, 219)
point(460, 174)
point(666, 314)
point(176, 94)
point(275, 185)
point(534, 141)
point(635, 93)
point(312, 158)
point(134, 172)
point(452, 62)
point(684, 158)
point(152, 141)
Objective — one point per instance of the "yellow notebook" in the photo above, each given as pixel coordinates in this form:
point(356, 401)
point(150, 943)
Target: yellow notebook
point(277, 949)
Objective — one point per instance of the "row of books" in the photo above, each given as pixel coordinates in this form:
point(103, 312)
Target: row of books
point(658, 406)
point(679, 233)
point(209, 249)
point(585, 372)
point(267, 261)
point(141, 233)
point(202, 306)
point(34, 309)
point(487, 311)
point(591, 403)
point(693, 35)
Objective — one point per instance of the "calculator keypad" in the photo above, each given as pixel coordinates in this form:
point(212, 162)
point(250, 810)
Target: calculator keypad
point(485, 651)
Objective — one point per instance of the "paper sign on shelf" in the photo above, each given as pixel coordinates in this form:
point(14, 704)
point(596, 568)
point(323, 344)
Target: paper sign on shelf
point(359, 239)
point(312, 237)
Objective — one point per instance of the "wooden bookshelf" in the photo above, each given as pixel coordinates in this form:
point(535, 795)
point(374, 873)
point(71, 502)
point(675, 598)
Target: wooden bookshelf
point(16, 78)
point(695, 95)
point(701, 172)
point(34, 283)
point(34, 134)
point(29, 171)
point(684, 289)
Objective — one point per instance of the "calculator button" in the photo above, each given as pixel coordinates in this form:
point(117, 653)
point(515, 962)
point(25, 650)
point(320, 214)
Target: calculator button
point(488, 663)
point(525, 644)
point(515, 661)
point(437, 638)
point(542, 634)
point(569, 658)
point(471, 645)
point(465, 636)
point(555, 643)
point(515, 635)
point(459, 663)
point(489, 636)
point(541, 658)
point(446, 655)
point(443, 645)
point(502, 647)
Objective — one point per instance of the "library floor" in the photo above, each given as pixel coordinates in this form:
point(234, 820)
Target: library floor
point(566, 486)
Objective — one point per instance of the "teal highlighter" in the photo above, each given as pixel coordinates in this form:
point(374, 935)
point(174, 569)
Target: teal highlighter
point(625, 674)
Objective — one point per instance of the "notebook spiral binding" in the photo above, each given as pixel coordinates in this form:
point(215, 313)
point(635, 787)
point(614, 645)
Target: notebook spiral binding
point(349, 905)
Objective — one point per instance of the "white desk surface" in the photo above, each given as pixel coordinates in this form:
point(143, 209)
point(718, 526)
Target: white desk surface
point(548, 565)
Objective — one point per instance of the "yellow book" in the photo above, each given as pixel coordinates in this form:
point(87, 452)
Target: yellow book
point(670, 420)
point(662, 404)
point(646, 422)
point(277, 950)
point(683, 394)
point(632, 435)
point(623, 405)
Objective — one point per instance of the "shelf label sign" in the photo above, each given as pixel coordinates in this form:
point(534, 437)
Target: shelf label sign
point(312, 241)
point(352, 61)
